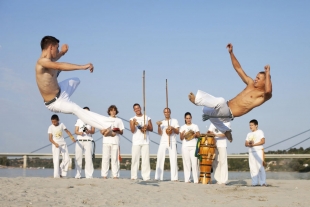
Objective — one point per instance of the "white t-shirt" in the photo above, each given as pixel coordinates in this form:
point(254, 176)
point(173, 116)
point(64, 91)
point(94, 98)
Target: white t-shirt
point(220, 141)
point(138, 136)
point(79, 123)
point(117, 123)
point(255, 137)
point(186, 128)
point(56, 131)
point(164, 137)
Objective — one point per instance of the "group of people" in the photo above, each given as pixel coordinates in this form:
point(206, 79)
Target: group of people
point(140, 126)
point(56, 98)
point(84, 143)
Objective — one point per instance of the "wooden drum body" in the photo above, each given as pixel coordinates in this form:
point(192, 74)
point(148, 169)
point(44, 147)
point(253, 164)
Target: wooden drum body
point(207, 152)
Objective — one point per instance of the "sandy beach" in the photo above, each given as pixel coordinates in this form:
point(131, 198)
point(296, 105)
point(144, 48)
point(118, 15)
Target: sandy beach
point(34, 191)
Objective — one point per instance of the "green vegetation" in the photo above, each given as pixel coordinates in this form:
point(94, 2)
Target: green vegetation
point(4, 161)
point(291, 151)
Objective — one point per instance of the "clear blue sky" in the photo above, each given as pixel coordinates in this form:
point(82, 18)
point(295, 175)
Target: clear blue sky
point(182, 41)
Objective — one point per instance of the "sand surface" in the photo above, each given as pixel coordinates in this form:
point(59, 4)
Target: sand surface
point(32, 191)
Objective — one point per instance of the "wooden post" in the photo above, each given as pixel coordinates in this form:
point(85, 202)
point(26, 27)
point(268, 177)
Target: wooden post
point(167, 108)
point(144, 102)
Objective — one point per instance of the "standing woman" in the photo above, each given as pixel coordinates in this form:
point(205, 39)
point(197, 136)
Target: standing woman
point(189, 147)
point(111, 144)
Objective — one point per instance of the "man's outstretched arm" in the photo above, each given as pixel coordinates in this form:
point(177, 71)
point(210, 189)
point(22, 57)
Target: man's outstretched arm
point(268, 84)
point(246, 79)
point(46, 63)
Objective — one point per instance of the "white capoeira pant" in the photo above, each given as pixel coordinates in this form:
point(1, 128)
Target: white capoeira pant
point(190, 163)
point(161, 154)
point(61, 169)
point(220, 166)
point(110, 150)
point(214, 106)
point(63, 104)
point(87, 147)
point(257, 169)
point(142, 150)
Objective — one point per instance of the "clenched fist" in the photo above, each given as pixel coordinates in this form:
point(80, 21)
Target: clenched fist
point(229, 47)
point(267, 68)
point(64, 48)
point(89, 67)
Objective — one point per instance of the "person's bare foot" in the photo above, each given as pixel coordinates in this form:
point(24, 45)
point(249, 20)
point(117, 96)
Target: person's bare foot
point(191, 97)
point(115, 177)
point(104, 178)
point(229, 136)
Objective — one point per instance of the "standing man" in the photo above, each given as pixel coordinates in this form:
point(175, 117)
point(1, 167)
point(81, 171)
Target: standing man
point(168, 130)
point(84, 143)
point(140, 126)
point(220, 165)
point(254, 141)
point(110, 147)
point(56, 95)
point(59, 145)
point(256, 93)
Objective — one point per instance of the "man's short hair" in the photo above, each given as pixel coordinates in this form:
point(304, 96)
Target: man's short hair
point(111, 108)
point(263, 72)
point(254, 121)
point(86, 107)
point(47, 41)
point(168, 109)
point(55, 117)
point(136, 104)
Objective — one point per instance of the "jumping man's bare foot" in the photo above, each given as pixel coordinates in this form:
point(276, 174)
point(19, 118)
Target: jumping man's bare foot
point(229, 136)
point(192, 97)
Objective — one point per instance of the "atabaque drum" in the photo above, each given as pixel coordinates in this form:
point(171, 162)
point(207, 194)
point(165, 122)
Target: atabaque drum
point(207, 152)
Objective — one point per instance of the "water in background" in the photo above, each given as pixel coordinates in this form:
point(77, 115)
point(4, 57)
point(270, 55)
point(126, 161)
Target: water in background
point(19, 172)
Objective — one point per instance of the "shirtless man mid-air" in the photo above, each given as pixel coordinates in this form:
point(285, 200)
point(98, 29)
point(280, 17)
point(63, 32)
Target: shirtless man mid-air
point(56, 95)
point(255, 94)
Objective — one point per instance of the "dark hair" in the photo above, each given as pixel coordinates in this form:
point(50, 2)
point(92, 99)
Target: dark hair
point(55, 117)
point(136, 104)
point(86, 108)
point(187, 113)
point(47, 41)
point(254, 121)
point(263, 72)
point(168, 109)
point(112, 107)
